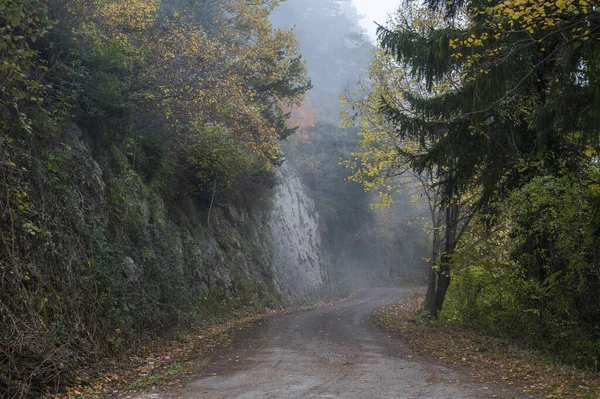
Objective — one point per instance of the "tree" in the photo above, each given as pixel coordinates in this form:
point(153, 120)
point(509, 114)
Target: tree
point(22, 91)
point(524, 84)
point(240, 76)
point(518, 93)
point(336, 53)
point(391, 155)
point(333, 44)
point(119, 121)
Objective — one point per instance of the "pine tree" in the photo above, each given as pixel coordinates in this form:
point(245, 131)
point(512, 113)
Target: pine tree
point(524, 91)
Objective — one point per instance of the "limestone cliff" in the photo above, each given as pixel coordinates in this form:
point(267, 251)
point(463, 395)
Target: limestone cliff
point(297, 250)
point(103, 255)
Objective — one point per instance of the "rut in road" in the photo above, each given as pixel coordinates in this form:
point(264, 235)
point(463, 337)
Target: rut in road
point(330, 352)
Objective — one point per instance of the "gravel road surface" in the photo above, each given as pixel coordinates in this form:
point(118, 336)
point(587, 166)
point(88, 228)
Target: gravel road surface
point(329, 352)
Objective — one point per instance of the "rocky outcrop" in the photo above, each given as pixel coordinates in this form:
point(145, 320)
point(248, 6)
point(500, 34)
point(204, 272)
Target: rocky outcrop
point(297, 250)
point(104, 255)
point(253, 254)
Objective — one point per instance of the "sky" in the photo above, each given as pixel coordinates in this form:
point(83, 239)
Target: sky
point(374, 10)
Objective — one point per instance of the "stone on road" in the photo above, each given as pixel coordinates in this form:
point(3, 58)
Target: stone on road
point(330, 352)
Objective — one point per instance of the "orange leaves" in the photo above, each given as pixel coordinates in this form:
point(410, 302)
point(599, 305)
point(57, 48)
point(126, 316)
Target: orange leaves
point(303, 117)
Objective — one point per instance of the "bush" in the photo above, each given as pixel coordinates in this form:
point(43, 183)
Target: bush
point(535, 279)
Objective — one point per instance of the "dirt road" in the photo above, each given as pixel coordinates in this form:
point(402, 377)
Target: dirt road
point(330, 352)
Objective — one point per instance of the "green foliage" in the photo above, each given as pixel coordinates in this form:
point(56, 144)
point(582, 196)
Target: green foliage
point(102, 243)
point(337, 52)
point(503, 109)
point(535, 278)
point(22, 24)
point(213, 156)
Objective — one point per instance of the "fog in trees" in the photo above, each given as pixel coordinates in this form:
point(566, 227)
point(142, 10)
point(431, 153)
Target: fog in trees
point(368, 245)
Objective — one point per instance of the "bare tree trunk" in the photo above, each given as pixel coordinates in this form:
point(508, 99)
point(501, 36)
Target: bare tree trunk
point(435, 299)
point(437, 242)
point(443, 277)
point(431, 287)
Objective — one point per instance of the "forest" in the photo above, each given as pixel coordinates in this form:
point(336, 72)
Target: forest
point(169, 165)
point(492, 109)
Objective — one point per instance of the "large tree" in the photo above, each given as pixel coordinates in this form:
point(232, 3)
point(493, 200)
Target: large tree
point(524, 90)
point(392, 157)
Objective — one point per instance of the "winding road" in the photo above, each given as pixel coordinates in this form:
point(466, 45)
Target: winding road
point(329, 352)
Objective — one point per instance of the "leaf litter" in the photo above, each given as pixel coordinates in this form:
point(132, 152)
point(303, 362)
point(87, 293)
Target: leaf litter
point(492, 360)
point(164, 363)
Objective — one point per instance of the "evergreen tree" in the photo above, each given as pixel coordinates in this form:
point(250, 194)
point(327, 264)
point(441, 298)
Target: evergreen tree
point(524, 84)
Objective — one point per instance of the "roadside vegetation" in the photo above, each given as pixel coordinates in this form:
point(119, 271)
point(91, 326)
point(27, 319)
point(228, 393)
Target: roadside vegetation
point(494, 361)
point(123, 125)
point(138, 140)
point(167, 363)
point(488, 111)
point(363, 244)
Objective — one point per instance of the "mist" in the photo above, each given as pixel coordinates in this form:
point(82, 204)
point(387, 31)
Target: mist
point(367, 246)
point(374, 13)
point(232, 198)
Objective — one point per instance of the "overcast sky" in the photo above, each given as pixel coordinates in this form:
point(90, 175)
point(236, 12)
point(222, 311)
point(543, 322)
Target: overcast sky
point(374, 10)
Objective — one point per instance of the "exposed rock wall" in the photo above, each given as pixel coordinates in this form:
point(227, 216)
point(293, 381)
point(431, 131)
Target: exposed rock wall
point(104, 255)
point(259, 254)
point(253, 254)
point(297, 249)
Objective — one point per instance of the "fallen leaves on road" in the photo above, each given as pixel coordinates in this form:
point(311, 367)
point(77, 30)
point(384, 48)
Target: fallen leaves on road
point(162, 362)
point(493, 361)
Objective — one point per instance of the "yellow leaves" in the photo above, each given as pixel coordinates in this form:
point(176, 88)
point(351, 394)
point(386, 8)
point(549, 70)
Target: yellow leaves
point(533, 15)
point(508, 20)
point(590, 152)
point(594, 189)
point(121, 19)
point(193, 76)
point(385, 201)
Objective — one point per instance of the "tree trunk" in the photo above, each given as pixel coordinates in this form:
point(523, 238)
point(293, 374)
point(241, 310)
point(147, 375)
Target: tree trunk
point(440, 275)
point(443, 282)
point(433, 280)
point(431, 287)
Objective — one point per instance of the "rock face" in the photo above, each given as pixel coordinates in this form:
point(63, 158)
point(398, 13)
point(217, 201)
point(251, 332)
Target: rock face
point(263, 255)
point(74, 138)
point(259, 254)
point(297, 251)
point(126, 255)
